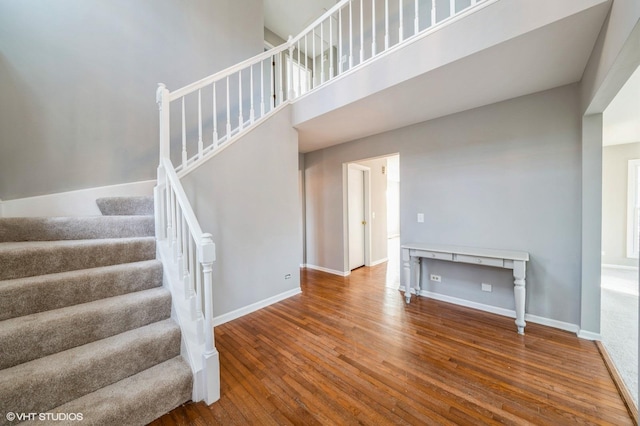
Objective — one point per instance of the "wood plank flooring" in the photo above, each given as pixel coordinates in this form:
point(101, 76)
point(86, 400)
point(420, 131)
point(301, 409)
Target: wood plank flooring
point(349, 351)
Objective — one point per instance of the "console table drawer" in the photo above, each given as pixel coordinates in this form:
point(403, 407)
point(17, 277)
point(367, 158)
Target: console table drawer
point(433, 255)
point(478, 260)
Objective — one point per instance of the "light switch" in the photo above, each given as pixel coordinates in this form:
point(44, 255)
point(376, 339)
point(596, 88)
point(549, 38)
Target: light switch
point(420, 217)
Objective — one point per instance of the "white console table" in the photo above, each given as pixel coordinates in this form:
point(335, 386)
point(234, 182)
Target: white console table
point(516, 260)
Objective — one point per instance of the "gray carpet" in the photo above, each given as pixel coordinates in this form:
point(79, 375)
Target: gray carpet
point(619, 323)
point(84, 320)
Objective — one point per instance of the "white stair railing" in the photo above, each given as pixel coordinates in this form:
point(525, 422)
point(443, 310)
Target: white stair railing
point(210, 113)
point(193, 253)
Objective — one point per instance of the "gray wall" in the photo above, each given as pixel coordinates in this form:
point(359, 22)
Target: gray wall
point(615, 160)
point(79, 77)
point(247, 198)
point(502, 176)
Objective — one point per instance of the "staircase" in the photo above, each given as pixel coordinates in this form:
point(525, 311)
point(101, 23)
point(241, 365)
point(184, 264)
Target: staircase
point(85, 323)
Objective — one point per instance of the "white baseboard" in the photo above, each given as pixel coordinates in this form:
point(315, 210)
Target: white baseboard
point(327, 270)
point(573, 328)
point(377, 262)
point(589, 335)
point(622, 267)
point(73, 203)
point(219, 320)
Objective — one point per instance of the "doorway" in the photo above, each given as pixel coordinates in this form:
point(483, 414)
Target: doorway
point(371, 215)
point(620, 231)
point(358, 199)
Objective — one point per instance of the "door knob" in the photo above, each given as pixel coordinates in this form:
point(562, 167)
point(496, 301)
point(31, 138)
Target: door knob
point(364, 222)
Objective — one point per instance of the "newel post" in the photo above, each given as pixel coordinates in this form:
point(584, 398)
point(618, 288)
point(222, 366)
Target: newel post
point(210, 358)
point(162, 98)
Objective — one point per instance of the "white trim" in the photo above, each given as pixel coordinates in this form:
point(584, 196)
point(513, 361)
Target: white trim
point(219, 320)
point(327, 270)
point(589, 335)
point(367, 211)
point(80, 202)
point(632, 202)
point(573, 328)
point(378, 262)
point(621, 267)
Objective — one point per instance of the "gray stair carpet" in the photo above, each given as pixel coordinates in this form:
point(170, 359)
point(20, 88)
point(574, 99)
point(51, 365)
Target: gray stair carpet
point(84, 320)
point(116, 206)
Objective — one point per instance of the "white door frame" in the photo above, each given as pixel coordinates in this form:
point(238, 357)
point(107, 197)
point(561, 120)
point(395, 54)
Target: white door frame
point(345, 214)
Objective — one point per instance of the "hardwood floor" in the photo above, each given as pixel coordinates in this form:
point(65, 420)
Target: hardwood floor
point(349, 351)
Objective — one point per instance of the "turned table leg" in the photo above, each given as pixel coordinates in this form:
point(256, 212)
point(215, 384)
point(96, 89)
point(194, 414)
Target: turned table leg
point(519, 292)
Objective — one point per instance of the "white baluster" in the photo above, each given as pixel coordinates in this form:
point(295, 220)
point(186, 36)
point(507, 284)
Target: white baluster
point(361, 31)
point(401, 17)
point(261, 88)
point(433, 12)
point(215, 118)
point(179, 243)
point(452, 8)
point(168, 212)
point(386, 24)
point(313, 72)
point(252, 113)
point(340, 63)
point(228, 112)
point(291, 93)
point(200, 293)
point(240, 119)
point(321, 52)
point(200, 144)
point(373, 28)
point(299, 88)
point(174, 226)
point(306, 62)
point(350, 34)
point(416, 23)
point(330, 49)
point(280, 78)
point(184, 249)
point(184, 138)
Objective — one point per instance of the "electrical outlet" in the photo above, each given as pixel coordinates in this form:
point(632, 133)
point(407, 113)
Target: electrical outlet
point(436, 278)
point(420, 217)
point(486, 287)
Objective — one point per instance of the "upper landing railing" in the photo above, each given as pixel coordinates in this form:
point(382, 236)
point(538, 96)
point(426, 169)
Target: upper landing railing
point(198, 119)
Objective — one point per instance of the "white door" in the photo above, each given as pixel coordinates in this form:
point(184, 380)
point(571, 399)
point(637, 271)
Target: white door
point(356, 214)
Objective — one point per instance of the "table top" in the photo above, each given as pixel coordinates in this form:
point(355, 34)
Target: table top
point(470, 251)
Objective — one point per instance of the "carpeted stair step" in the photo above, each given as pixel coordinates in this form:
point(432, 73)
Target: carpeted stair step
point(34, 336)
point(74, 228)
point(136, 400)
point(116, 206)
point(45, 383)
point(30, 295)
point(27, 259)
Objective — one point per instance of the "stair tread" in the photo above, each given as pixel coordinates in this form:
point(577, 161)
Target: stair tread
point(56, 379)
point(32, 336)
point(136, 400)
point(31, 258)
point(29, 295)
point(74, 228)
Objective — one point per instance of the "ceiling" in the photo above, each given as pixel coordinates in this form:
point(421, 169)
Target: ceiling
point(621, 119)
point(286, 17)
